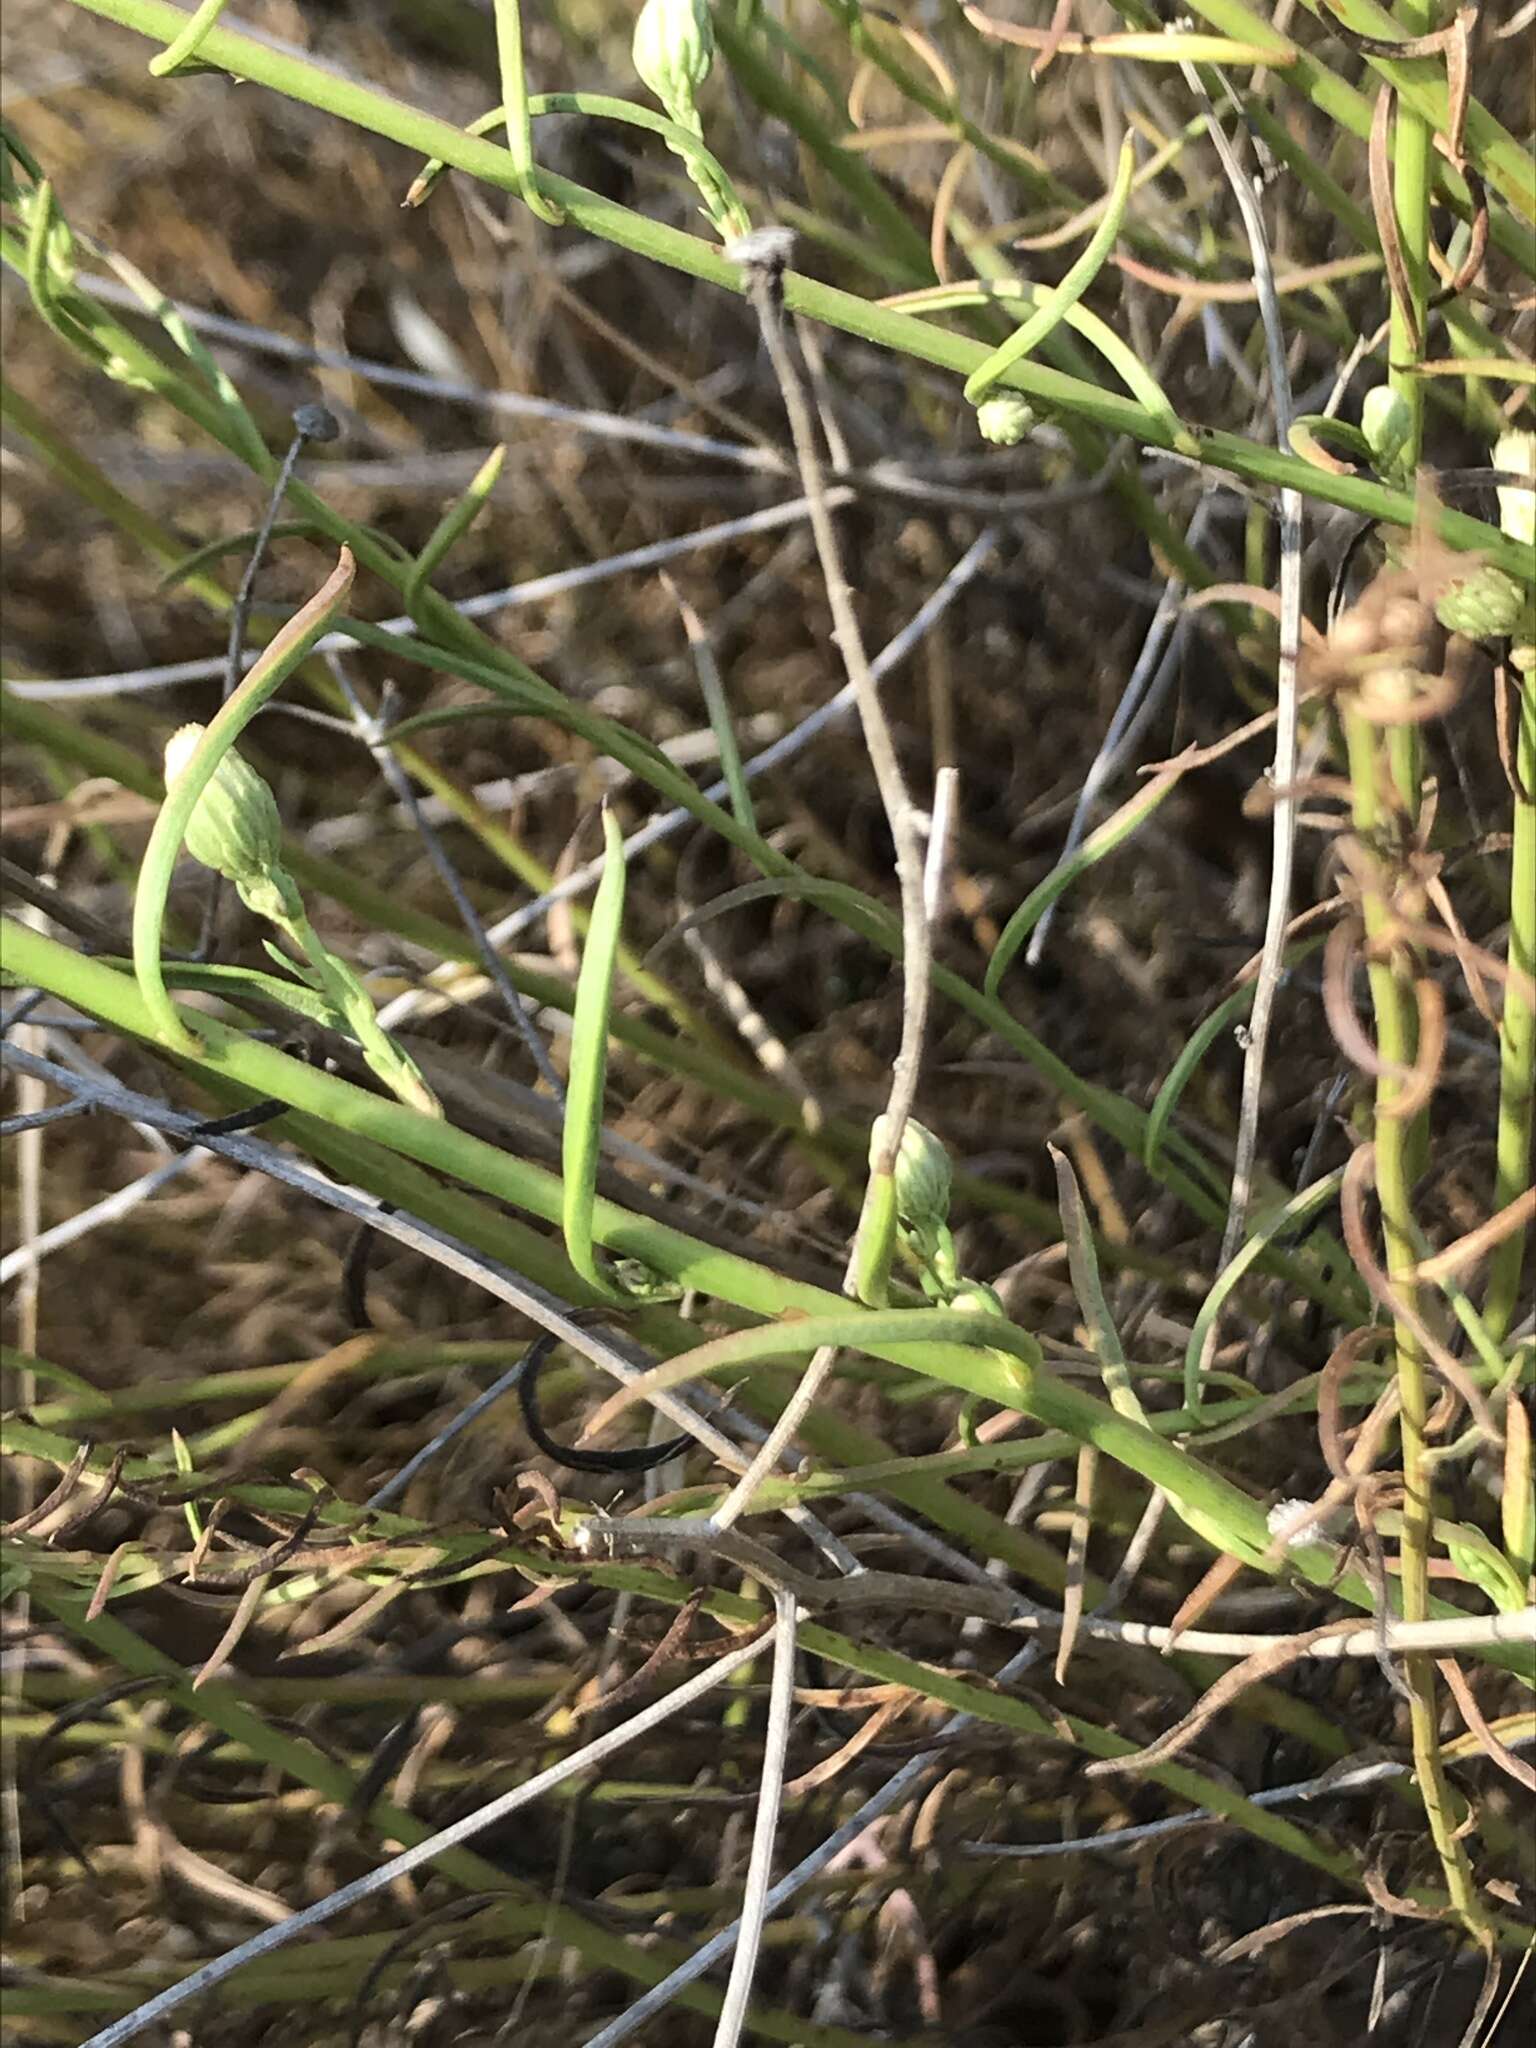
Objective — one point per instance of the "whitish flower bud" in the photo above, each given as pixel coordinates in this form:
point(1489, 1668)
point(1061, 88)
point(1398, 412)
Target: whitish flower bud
point(673, 49)
point(1005, 418)
point(1517, 507)
point(1387, 425)
point(922, 1173)
point(234, 827)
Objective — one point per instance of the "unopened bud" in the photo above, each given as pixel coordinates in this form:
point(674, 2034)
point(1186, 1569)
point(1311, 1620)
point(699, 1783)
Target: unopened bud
point(1485, 605)
point(921, 1173)
point(1005, 418)
point(673, 49)
point(234, 827)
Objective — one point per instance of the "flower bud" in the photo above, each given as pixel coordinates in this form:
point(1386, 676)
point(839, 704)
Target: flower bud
point(1005, 418)
point(673, 49)
point(1517, 506)
point(921, 1173)
point(1485, 605)
point(234, 828)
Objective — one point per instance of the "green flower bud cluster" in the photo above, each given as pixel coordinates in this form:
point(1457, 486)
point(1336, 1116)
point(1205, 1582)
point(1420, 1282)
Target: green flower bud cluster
point(235, 828)
point(1005, 418)
point(923, 1177)
point(1487, 604)
point(673, 50)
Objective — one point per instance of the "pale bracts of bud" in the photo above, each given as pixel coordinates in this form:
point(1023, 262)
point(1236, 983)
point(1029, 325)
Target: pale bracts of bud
point(672, 51)
point(234, 828)
point(921, 1173)
point(1005, 418)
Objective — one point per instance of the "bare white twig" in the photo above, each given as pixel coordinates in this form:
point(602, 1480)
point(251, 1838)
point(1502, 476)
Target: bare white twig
point(763, 265)
point(535, 591)
point(1340, 1779)
point(1283, 769)
point(763, 290)
point(770, 1793)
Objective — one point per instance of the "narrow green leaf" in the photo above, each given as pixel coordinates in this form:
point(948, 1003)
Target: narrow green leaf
point(1277, 1224)
point(1115, 829)
point(1083, 1264)
point(1048, 317)
point(451, 528)
point(581, 1142)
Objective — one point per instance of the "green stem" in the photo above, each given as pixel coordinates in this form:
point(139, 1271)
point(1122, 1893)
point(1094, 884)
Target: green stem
point(355, 1012)
point(514, 96)
point(183, 51)
point(1517, 1032)
point(1059, 303)
point(427, 137)
point(1412, 162)
point(1395, 1014)
point(333, 1109)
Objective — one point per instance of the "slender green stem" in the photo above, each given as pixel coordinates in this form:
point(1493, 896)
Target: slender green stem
point(352, 1007)
point(347, 1126)
point(1517, 1032)
point(1059, 303)
point(1395, 1014)
point(427, 137)
point(182, 53)
point(514, 97)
